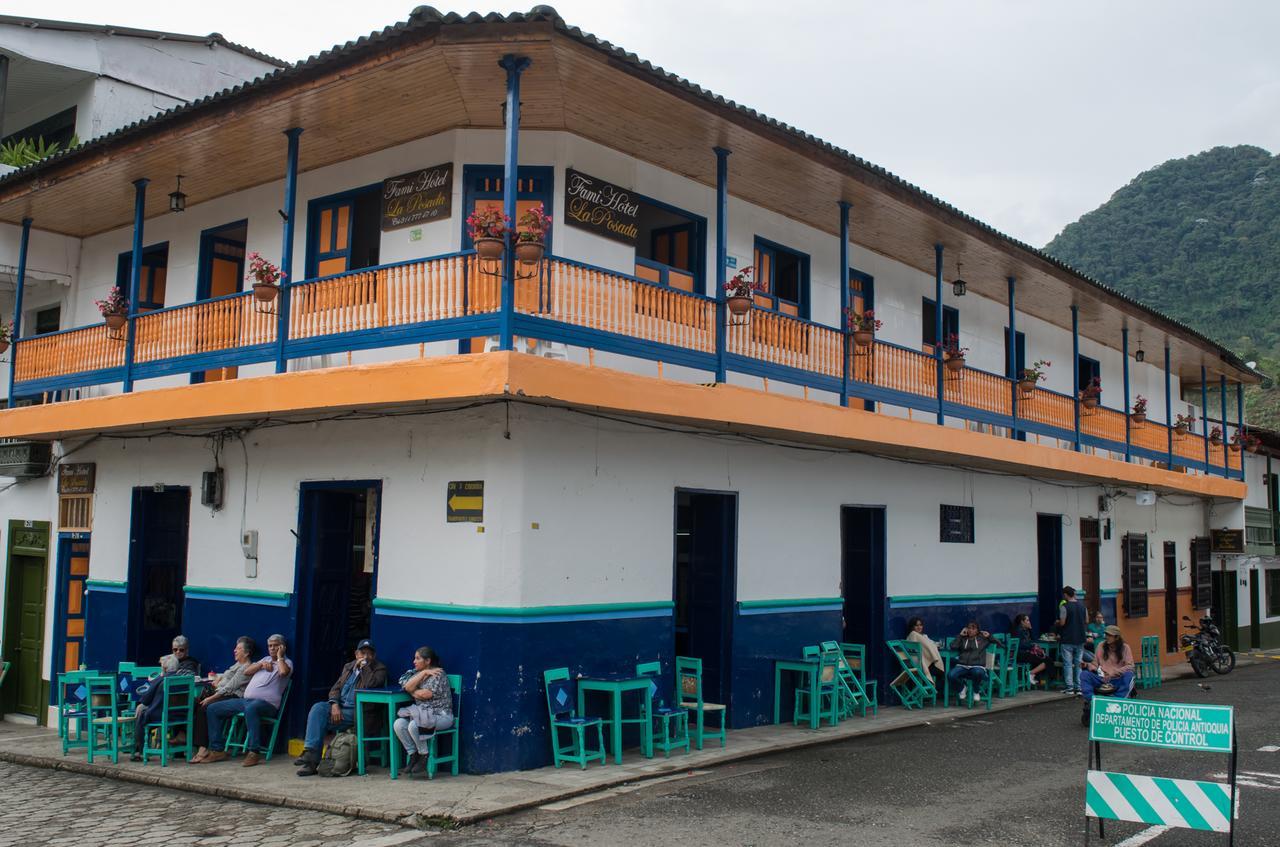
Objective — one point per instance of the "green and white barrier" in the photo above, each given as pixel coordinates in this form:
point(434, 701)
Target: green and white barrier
point(1182, 803)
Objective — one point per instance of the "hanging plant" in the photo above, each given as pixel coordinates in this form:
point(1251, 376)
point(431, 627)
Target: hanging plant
point(1182, 424)
point(953, 354)
point(1032, 376)
point(114, 308)
point(265, 278)
point(1091, 394)
point(864, 326)
point(531, 234)
point(488, 231)
point(1139, 413)
point(739, 291)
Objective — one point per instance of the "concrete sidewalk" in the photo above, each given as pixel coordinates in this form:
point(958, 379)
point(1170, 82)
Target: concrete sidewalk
point(452, 801)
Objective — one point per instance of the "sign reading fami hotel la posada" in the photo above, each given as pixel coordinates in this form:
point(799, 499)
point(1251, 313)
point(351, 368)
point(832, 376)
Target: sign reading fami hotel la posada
point(417, 197)
point(601, 207)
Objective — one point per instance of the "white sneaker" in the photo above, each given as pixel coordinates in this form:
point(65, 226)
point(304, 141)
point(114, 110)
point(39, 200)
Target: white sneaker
point(1033, 680)
point(977, 698)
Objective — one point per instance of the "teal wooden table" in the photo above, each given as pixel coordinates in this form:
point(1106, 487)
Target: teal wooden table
point(393, 699)
point(616, 687)
point(808, 668)
point(948, 656)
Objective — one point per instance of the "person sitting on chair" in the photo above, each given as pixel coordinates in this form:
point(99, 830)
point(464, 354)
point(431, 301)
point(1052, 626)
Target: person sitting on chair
point(339, 711)
point(971, 659)
point(230, 685)
point(1112, 674)
point(180, 662)
point(1029, 653)
point(262, 698)
point(431, 709)
point(930, 659)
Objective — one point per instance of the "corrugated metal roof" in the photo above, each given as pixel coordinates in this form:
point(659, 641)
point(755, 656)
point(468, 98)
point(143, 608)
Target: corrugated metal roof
point(424, 16)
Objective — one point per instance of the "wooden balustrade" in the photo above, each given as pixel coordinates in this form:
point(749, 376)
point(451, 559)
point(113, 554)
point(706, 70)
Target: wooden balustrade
point(1150, 435)
point(790, 342)
point(203, 327)
point(1101, 422)
point(897, 368)
point(62, 353)
point(1049, 408)
point(978, 390)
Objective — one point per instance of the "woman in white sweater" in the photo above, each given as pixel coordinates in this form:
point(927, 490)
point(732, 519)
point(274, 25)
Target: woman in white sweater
point(930, 658)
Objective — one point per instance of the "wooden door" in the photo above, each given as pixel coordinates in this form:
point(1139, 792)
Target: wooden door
point(24, 616)
point(226, 276)
point(157, 570)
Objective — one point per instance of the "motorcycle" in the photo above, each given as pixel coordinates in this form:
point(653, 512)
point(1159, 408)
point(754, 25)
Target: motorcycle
point(1204, 648)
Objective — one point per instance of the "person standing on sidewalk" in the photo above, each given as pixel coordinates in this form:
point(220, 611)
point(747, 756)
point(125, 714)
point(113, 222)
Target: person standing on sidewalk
point(1071, 638)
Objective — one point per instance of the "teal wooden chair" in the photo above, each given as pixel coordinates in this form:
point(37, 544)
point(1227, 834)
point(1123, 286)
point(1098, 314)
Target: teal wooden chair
point(829, 697)
point(913, 687)
point(855, 665)
point(73, 709)
point(238, 735)
point(562, 710)
point(177, 713)
point(1003, 673)
point(1149, 673)
point(674, 720)
point(105, 722)
point(434, 757)
point(689, 695)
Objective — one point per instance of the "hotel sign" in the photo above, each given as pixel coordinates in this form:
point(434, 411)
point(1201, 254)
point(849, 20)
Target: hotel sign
point(1227, 540)
point(417, 197)
point(77, 478)
point(601, 207)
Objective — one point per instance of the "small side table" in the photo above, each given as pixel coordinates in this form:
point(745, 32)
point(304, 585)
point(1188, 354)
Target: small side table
point(393, 699)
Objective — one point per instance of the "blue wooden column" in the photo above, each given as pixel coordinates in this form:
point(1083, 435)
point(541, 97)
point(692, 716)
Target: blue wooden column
point(1013, 355)
point(937, 328)
point(135, 277)
point(1226, 455)
point(286, 248)
point(1204, 413)
point(20, 283)
point(1240, 423)
point(1168, 406)
point(722, 257)
point(514, 66)
point(844, 298)
point(1075, 368)
point(1128, 424)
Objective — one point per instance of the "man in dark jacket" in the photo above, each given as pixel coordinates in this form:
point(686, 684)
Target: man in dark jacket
point(1071, 638)
point(178, 663)
point(338, 712)
point(971, 659)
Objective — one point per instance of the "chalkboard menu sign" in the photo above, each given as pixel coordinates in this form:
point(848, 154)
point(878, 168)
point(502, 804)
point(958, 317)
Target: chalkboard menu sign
point(417, 197)
point(601, 207)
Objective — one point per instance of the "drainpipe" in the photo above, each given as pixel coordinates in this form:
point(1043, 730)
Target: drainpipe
point(1204, 407)
point(1128, 430)
point(844, 298)
point(937, 327)
point(1075, 368)
point(1226, 461)
point(1013, 355)
point(722, 256)
point(1240, 423)
point(135, 277)
point(514, 66)
point(1168, 407)
point(286, 249)
point(20, 282)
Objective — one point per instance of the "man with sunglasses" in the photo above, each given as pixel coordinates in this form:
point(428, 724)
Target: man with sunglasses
point(179, 662)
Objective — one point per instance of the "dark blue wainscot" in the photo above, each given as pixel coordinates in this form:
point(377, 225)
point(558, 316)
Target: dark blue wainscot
point(106, 623)
point(213, 618)
point(501, 654)
point(945, 615)
point(765, 630)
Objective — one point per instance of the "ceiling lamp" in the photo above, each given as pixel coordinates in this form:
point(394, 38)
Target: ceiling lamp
point(1140, 355)
point(958, 287)
point(178, 200)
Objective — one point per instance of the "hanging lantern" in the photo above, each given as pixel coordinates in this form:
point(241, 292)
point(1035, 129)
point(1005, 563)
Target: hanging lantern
point(959, 285)
point(178, 200)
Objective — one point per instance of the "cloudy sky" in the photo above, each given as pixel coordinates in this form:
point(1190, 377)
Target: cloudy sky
point(1025, 114)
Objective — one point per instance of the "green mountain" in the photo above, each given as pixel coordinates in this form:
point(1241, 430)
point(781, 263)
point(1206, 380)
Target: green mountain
point(1198, 239)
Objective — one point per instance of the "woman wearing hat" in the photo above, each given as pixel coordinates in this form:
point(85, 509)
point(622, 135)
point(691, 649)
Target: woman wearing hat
point(1112, 666)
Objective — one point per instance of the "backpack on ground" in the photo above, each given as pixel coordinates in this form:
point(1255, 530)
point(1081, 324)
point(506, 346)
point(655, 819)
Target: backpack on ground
point(340, 758)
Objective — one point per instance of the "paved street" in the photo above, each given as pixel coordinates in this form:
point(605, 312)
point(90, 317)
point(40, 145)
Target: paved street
point(1013, 778)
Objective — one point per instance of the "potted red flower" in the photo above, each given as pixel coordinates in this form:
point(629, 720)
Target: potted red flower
point(265, 277)
point(1139, 413)
point(1252, 442)
point(1238, 439)
point(863, 325)
point(114, 309)
point(488, 230)
point(6, 335)
point(953, 354)
point(531, 237)
point(1033, 376)
point(739, 291)
point(1182, 424)
point(1215, 436)
point(1091, 394)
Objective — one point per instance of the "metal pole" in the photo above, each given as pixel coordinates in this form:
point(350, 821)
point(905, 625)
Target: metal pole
point(722, 257)
point(20, 283)
point(286, 249)
point(844, 298)
point(135, 277)
point(1240, 423)
point(937, 328)
point(1168, 406)
point(1128, 424)
point(1075, 368)
point(1226, 460)
point(4, 89)
point(1013, 355)
point(514, 66)
point(1204, 413)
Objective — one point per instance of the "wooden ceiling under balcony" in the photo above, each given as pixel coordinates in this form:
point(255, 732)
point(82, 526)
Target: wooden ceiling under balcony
point(431, 79)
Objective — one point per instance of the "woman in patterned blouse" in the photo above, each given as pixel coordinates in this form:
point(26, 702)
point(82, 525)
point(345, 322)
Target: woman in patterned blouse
point(431, 709)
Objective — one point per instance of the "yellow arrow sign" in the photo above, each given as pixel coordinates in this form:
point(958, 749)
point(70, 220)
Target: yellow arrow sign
point(461, 503)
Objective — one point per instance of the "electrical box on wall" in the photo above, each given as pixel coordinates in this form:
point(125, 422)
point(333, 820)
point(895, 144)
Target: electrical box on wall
point(211, 484)
point(1145, 498)
point(249, 543)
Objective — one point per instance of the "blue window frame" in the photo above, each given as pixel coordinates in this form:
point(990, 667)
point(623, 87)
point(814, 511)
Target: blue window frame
point(671, 250)
point(929, 323)
point(784, 275)
point(1020, 358)
point(155, 271)
point(482, 185)
point(1089, 370)
point(344, 231)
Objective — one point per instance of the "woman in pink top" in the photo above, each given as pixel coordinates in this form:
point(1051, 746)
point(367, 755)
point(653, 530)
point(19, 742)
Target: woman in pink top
point(1113, 664)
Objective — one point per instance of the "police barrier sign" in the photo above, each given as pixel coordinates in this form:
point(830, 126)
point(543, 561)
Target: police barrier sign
point(1177, 726)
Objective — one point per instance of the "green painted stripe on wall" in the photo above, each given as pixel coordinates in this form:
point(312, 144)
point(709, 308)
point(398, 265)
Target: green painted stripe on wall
point(927, 598)
point(236, 592)
point(105, 583)
point(522, 611)
point(783, 604)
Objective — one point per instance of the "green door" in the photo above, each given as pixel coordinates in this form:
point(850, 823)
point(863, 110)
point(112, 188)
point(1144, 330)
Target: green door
point(24, 616)
point(1224, 607)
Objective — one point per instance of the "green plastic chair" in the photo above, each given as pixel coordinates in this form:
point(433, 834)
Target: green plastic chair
point(674, 720)
point(829, 702)
point(689, 695)
point(434, 759)
point(913, 687)
point(105, 723)
point(855, 665)
point(238, 733)
point(177, 712)
point(562, 712)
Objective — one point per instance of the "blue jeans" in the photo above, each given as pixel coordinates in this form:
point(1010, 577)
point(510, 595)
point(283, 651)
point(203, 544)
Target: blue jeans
point(318, 725)
point(218, 715)
point(960, 673)
point(1089, 680)
point(254, 712)
point(1071, 656)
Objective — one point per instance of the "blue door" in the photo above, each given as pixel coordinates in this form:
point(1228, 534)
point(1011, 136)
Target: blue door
point(157, 571)
point(705, 585)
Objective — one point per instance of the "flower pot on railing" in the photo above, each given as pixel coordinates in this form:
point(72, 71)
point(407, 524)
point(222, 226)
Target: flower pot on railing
point(1216, 442)
point(1090, 402)
point(1027, 387)
point(4, 347)
point(1180, 430)
point(490, 249)
point(115, 320)
point(955, 364)
point(1138, 418)
point(530, 252)
point(738, 305)
point(864, 337)
point(1235, 448)
point(265, 292)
